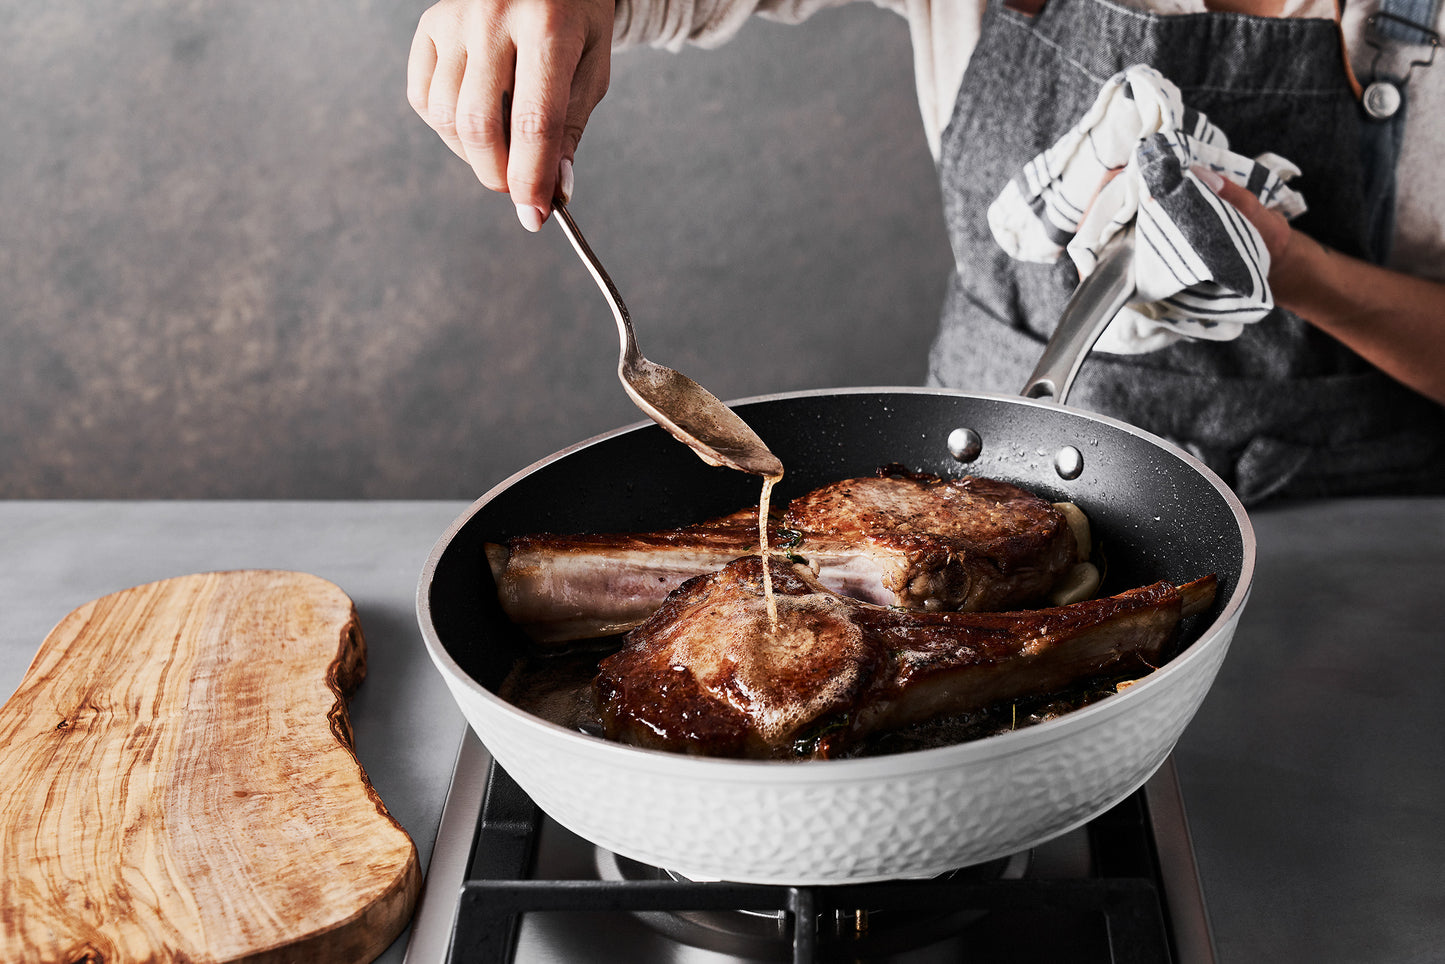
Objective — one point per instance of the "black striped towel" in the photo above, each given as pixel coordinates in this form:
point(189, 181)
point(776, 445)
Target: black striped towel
point(1199, 265)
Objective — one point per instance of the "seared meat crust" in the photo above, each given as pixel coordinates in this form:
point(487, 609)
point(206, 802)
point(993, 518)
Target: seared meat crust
point(707, 674)
point(970, 544)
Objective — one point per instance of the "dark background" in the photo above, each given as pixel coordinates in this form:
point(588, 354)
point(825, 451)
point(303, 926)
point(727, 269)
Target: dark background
point(233, 262)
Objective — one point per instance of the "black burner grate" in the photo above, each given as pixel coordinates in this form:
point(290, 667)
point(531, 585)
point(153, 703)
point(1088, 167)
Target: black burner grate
point(1117, 909)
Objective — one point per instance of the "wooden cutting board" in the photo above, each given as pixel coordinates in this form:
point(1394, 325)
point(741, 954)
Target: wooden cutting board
point(177, 783)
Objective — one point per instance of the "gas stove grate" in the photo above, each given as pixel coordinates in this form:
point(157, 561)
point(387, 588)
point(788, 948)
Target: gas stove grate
point(1122, 891)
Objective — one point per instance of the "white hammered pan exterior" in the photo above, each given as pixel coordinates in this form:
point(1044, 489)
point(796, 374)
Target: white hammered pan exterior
point(910, 814)
point(817, 822)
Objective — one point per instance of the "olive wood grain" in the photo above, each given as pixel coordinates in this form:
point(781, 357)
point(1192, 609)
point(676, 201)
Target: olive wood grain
point(178, 783)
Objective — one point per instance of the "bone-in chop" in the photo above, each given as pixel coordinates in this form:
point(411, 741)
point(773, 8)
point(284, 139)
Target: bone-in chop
point(899, 538)
point(706, 674)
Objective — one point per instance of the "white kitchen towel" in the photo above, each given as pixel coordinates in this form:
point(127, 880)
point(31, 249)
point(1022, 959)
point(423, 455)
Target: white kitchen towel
point(1200, 267)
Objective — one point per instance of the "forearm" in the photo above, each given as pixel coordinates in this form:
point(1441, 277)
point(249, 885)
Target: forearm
point(1392, 320)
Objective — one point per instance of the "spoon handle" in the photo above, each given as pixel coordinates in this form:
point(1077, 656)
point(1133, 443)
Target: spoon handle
point(599, 274)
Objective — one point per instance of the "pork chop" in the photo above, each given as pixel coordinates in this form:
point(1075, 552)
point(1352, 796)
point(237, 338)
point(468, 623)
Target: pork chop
point(707, 674)
point(899, 538)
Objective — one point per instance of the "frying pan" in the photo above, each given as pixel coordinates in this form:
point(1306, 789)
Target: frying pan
point(1156, 512)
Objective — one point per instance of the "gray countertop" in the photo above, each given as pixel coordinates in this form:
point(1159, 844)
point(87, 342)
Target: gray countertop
point(1311, 775)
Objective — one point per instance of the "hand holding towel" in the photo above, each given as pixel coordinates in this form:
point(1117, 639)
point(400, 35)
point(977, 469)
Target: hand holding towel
point(1200, 266)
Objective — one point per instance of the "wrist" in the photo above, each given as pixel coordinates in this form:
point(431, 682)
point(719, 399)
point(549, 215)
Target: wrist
point(1297, 273)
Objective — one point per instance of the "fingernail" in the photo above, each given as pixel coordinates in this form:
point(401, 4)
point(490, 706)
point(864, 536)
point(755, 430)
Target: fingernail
point(568, 178)
point(1210, 179)
point(530, 217)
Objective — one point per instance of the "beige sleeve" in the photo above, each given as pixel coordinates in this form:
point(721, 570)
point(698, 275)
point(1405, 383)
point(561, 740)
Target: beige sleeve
point(673, 24)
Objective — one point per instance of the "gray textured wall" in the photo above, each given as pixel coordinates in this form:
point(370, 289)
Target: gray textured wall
point(234, 264)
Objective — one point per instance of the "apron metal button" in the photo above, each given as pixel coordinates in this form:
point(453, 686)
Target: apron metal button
point(1382, 100)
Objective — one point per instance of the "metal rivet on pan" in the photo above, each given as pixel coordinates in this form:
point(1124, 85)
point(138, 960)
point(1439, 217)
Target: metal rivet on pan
point(1068, 462)
point(964, 444)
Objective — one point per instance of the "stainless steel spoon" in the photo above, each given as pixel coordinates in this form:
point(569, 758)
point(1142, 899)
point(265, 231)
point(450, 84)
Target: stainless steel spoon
point(688, 411)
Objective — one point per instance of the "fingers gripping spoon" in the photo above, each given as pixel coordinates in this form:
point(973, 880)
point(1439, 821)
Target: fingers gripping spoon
point(689, 412)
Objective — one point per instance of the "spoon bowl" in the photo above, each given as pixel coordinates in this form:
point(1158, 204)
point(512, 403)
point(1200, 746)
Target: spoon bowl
point(689, 412)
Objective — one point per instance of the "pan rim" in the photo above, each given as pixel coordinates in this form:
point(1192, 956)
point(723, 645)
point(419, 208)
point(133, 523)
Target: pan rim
point(827, 771)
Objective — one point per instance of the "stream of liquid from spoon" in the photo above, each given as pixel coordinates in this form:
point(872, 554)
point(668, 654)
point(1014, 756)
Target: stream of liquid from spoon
point(763, 508)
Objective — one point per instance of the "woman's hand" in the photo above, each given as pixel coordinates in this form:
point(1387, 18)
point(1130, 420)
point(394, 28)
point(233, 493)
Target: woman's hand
point(542, 64)
point(1272, 226)
point(1394, 321)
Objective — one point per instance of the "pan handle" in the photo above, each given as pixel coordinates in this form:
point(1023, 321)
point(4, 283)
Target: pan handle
point(1092, 306)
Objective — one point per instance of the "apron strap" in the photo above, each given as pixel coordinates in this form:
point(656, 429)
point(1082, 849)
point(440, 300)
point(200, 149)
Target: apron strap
point(1408, 22)
point(1396, 26)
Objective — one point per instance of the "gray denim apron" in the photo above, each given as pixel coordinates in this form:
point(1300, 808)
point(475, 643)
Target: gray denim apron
point(1283, 410)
